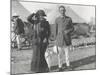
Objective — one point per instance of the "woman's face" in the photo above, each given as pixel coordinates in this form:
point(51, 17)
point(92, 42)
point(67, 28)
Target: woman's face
point(41, 17)
point(14, 18)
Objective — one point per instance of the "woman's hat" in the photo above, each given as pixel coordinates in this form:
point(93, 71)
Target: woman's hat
point(15, 15)
point(40, 12)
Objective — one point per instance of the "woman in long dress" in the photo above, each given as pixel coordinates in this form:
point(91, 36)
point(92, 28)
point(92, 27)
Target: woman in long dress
point(40, 41)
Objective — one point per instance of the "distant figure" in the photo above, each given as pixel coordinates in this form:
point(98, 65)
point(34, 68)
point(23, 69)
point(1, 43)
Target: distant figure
point(63, 29)
point(19, 29)
point(41, 34)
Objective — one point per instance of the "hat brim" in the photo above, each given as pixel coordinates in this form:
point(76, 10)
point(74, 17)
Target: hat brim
point(16, 16)
point(41, 14)
point(44, 15)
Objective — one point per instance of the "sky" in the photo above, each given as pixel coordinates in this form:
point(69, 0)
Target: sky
point(85, 12)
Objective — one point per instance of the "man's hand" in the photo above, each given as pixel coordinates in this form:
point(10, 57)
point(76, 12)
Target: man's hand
point(68, 31)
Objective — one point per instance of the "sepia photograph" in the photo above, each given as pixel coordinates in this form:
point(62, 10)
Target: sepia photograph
point(51, 37)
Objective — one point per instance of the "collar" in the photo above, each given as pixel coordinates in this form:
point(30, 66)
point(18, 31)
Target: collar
point(43, 19)
point(64, 16)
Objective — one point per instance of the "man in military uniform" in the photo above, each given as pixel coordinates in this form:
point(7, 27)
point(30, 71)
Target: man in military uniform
point(63, 29)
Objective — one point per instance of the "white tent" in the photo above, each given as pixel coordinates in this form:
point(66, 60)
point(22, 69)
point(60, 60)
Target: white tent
point(69, 12)
point(78, 14)
point(19, 9)
point(92, 21)
point(52, 11)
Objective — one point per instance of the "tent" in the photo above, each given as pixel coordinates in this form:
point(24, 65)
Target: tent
point(19, 9)
point(52, 11)
point(69, 12)
point(79, 14)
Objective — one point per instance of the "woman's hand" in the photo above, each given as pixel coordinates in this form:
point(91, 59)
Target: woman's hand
point(66, 31)
point(34, 17)
point(45, 40)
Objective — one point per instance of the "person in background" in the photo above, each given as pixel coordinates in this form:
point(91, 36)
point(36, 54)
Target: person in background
point(64, 27)
point(41, 33)
point(19, 29)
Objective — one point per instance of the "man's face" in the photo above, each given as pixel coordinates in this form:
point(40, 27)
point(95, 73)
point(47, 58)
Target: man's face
point(62, 11)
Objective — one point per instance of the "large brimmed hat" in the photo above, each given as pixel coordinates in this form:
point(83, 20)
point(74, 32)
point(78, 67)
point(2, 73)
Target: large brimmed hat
point(15, 15)
point(40, 12)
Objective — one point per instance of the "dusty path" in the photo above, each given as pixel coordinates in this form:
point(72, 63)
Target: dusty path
point(80, 59)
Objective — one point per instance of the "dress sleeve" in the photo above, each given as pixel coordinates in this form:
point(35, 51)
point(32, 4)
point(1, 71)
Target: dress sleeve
point(48, 29)
point(30, 18)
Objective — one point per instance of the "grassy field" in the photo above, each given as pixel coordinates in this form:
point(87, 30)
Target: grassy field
point(81, 59)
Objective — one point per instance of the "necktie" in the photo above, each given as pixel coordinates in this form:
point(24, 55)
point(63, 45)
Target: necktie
point(63, 18)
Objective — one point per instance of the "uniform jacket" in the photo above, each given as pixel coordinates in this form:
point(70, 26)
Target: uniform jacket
point(64, 27)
